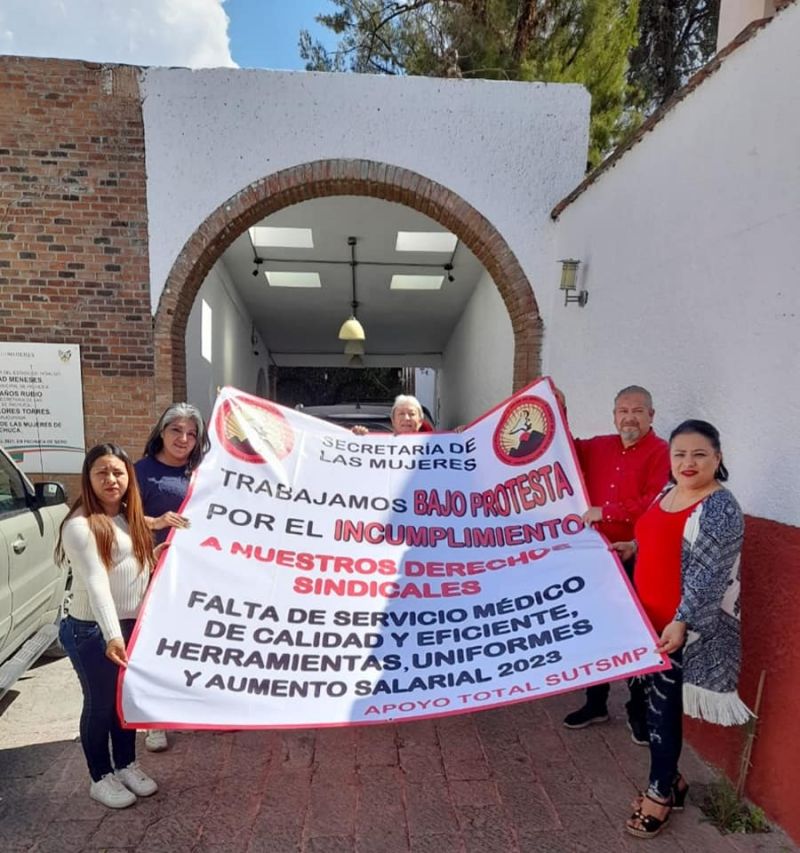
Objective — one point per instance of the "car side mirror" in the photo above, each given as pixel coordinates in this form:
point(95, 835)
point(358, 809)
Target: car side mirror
point(50, 494)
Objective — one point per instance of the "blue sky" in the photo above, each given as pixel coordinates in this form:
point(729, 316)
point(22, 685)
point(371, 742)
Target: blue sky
point(264, 33)
point(192, 33)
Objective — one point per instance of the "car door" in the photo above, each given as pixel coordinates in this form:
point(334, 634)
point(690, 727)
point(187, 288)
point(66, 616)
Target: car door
point(5, 596)
point(29, 536)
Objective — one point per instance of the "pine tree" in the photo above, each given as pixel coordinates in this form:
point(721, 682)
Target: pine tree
point(571, 41)
point(630, 54)
point(676, 37)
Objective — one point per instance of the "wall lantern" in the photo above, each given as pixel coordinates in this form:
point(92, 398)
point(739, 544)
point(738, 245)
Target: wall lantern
point(569, 283)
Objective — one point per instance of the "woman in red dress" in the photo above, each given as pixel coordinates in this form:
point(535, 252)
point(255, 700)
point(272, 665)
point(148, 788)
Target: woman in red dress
point(687, 550)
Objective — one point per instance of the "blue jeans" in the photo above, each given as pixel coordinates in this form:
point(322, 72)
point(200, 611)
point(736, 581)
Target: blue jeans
point(84, 644)
point(665, 725)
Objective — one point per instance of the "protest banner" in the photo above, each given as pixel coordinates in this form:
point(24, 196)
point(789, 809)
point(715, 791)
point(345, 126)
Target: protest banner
point(333, 579)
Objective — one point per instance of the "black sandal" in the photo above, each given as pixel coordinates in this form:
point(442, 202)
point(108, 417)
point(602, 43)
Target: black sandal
point(649, 825)
point(679, 794)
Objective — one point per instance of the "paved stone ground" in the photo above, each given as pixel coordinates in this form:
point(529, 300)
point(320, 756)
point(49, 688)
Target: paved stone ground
point(512, 780)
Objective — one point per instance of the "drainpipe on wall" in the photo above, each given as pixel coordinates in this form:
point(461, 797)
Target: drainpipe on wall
point(735, 15)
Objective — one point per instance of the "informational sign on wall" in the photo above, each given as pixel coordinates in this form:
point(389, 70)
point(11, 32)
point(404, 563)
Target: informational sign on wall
point(41, 406)
point(334, 579)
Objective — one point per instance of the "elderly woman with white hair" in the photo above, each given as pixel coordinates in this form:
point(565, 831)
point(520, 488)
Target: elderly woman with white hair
point(406, 416)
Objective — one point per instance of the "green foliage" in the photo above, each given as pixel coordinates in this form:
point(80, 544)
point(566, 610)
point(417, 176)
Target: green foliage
point(566, 41)
point(730, 814)
point(590, 46)
point(569, 41)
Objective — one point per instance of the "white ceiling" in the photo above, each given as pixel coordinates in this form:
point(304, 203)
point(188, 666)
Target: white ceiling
point(303, 322)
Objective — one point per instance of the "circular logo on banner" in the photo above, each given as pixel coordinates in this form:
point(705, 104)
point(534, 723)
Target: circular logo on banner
point(254, 430)
point(525, 431)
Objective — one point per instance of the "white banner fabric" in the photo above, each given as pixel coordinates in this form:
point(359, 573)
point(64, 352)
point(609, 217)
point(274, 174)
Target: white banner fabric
point(334, 579)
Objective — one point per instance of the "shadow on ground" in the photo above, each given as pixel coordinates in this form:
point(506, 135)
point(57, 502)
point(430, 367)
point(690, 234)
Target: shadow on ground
point(510, 780)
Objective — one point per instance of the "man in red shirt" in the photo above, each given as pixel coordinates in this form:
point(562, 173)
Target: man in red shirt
point(623, 473)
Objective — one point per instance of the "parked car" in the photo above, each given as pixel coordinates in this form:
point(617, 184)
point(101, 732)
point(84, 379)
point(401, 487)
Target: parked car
point(376, 417)
point(32, 586)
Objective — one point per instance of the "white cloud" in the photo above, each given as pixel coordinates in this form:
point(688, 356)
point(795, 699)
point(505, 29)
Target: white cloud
point(191, 33)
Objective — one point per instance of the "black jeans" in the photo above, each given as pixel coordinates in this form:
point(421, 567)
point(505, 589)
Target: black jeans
point(84, 644)
point(597, 694)
point(636, 706)
point(665, 725)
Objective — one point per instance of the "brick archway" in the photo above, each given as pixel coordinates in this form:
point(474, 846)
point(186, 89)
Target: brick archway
point(330, 178)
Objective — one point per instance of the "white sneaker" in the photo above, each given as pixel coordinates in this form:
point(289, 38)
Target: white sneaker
point(136, 780)
point(111, 792)
point(155, 740)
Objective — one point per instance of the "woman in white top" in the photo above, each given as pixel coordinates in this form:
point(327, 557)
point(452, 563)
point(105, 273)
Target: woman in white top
point(107, 542)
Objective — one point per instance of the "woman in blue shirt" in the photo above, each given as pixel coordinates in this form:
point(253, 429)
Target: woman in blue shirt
point(173, 450)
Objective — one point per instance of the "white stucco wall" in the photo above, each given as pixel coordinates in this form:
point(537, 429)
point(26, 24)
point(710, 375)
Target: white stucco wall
point(233, 361)
point(477, 364)
point(690, 257)
point(511, 150)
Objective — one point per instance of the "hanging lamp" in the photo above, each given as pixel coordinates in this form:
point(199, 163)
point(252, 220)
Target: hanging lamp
point(354, 348)
point(351, 329)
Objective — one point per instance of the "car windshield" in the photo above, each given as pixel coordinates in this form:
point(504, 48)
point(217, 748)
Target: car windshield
point(376, 417)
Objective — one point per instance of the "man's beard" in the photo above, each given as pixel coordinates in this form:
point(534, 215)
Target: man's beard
point(630, 434)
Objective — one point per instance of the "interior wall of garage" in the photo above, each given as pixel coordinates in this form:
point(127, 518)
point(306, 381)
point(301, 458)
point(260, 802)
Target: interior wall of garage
point(477, 364)
point(689, 253)
point(237, 350)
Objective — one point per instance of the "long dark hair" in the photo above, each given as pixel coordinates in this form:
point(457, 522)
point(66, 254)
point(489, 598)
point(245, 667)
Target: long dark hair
point(708, 431)
point(155, 442)
point(99, 522)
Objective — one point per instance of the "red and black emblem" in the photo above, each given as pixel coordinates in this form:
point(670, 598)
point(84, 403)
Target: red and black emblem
point(525, 431)
point(254, 430)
